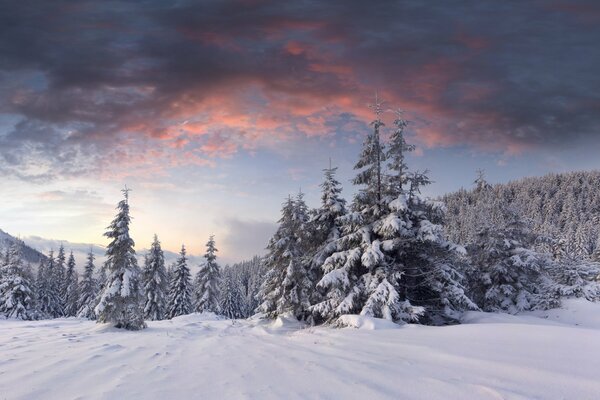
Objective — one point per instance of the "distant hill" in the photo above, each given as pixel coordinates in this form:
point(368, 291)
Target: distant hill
point(29, 254)
point(563, 207)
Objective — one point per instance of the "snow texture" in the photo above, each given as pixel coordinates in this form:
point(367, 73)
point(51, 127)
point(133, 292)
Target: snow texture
point(544, 355)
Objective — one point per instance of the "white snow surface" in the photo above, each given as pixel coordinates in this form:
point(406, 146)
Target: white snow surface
point(544, 355)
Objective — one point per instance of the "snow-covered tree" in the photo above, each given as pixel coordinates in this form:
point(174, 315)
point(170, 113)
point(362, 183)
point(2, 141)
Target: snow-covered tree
point(121, 297)
point(155, 283)
point(16, 289)
point(88, 290)
point(71, 300)
point(208, 281)
point(231, 303)
point(573, 276)
point(59, 277)
point(180, 299)
point(370, 166)
point(508, 275)
point(48, 296)
point(397, 151)
point(324, 224)
point(392, 260)
point(287, 287)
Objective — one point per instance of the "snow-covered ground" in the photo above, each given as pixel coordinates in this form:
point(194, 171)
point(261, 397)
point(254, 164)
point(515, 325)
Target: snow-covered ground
point(550, 355)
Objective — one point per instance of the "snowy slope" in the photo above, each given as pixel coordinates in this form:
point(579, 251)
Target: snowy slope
point(29, 254)
point(200, 356)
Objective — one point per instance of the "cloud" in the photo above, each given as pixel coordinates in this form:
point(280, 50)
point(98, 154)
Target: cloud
point(111, 90)
point(244, 238)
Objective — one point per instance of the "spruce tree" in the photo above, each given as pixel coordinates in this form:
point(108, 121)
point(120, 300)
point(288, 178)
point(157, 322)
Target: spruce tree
point(121, 297)
point(71, 301)
point(231, 304)
point(155, 283)
point(392, 261)
point(287, 287)
point(16, 289)
point(59, 277)
point(88, 290)
point(508, 275)
point(48, 296)
point(208, 281)
point(180, 302)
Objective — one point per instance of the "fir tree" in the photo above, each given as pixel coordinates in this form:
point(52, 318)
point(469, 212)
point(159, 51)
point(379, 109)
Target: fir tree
point(59, 277)
point(16, 289)
point(179, 290)
point(48, 296)
point(208, 281)
point(231, 304)
point(509, 276)
point(71, 301)
point(397, 150)
point(392, 261)
point(155, 283)
point(120, 300)
point(89, 290)
point(287, 287)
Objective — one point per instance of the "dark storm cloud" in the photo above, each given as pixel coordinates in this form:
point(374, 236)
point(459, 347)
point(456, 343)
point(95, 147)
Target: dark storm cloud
point(86, 84)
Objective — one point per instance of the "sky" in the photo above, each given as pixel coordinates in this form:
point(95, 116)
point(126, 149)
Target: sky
point(212, 112)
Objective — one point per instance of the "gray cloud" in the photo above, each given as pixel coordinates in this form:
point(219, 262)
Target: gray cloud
point(90, 85)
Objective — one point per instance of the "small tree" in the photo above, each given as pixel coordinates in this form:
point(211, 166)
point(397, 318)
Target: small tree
point(287, 287)
point(231, 303)
point(508, 275)
point(72, 290)
point(155, 283)
point(179, 291)
point(16, 289)
point(120, 300)
point(208, 281)
point(48, 296)
point(89, 290)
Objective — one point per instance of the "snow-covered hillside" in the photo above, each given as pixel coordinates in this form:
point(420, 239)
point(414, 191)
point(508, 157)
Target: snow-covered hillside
point(550, 355)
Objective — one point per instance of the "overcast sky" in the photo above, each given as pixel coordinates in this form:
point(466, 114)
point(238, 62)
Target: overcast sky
point(213, 111)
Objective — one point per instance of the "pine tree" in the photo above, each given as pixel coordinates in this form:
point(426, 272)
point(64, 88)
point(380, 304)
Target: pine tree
point(392, 261)
point(16, 289)
point(286, 288)
point(370, 167)
point(231, 304)
point(180, 302)
point(71, 301)
point(573, 276)
point(48, 296)
point(208, 281)
point(89, 290)
point(120, 300)
point(59, 277)
point(155, 283)
point(398, 148)
point(509, 276)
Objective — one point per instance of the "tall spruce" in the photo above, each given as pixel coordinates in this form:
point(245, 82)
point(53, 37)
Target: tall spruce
point(88, 290)
point(180, 299)
point(155, 283)
point(121, 297)
point(208, 280)
point(71, 300)
point(385, 239)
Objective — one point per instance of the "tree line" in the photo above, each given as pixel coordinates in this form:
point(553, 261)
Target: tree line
point(389, 253)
